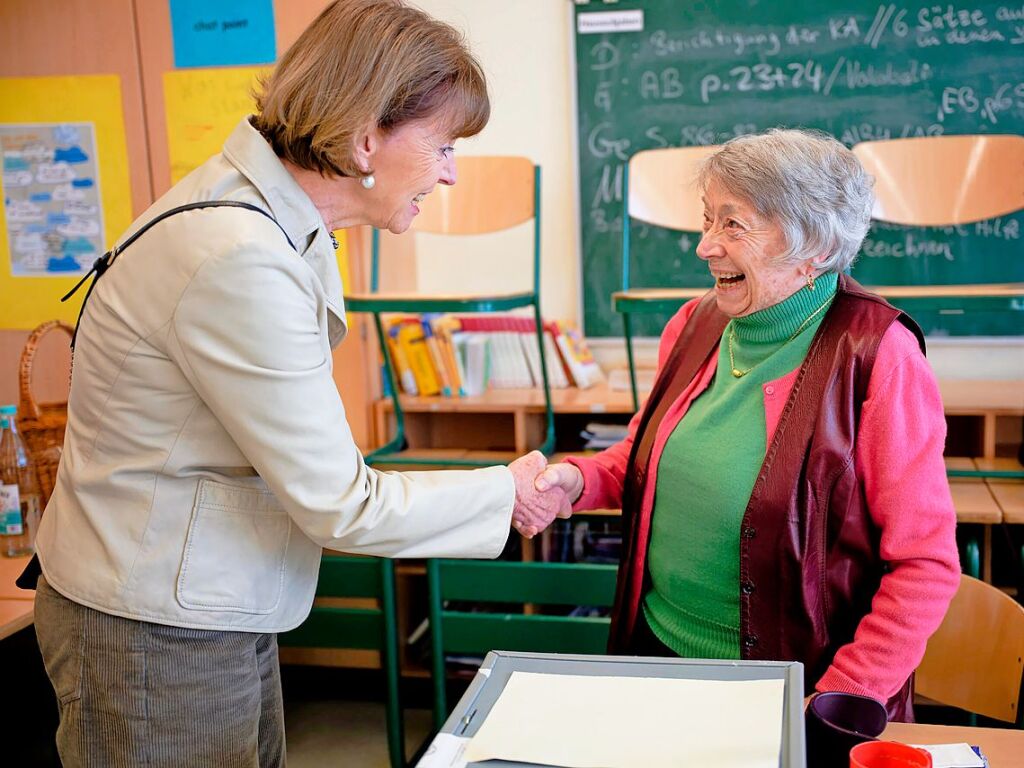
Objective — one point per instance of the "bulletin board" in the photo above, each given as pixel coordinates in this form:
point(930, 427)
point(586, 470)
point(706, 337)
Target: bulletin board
point(67, 192)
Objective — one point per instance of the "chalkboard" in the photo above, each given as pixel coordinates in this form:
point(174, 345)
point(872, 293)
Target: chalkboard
point(671, 73)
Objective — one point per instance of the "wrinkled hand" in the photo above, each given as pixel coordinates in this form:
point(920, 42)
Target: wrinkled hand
point(534, 509)
point(565, 476)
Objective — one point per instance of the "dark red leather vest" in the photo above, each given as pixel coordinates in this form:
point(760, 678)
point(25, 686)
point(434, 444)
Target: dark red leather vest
point(809, 561)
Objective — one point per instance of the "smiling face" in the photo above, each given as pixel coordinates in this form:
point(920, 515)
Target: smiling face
point(407, 162)
point(742, 250)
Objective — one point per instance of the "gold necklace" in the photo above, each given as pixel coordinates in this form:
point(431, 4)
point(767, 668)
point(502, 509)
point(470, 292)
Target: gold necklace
point(736, 372)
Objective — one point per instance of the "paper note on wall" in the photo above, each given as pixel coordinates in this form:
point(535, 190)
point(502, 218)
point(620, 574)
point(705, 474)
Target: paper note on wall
point(66, 188)
point(203, 107)
point(224, 33)
point(51, 197)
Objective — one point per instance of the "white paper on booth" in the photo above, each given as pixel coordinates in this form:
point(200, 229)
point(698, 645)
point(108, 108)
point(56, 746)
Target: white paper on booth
point(575, 721)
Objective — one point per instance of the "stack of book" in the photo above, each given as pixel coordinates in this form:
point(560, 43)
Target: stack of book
point(459, 356)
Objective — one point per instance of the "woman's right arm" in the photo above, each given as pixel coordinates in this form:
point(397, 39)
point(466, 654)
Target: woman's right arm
point(247, 335)
point(596, 482)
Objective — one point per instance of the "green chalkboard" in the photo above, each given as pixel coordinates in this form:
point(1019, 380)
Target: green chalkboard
point(673, 73)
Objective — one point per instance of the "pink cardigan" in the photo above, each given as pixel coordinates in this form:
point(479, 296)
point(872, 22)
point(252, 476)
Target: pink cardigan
point(899, 461)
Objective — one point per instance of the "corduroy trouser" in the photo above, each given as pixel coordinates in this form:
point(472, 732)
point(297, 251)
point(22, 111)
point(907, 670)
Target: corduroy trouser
point(132, 693)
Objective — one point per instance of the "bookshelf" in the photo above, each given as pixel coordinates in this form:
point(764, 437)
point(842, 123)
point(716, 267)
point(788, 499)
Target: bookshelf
point(500, 424)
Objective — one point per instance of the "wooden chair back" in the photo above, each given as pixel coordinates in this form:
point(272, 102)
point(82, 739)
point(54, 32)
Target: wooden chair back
point(945, 180)
point(491, 194)
point(975, 659)
point(663, 187)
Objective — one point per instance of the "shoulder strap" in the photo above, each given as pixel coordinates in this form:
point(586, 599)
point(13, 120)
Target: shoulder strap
point(103, 262)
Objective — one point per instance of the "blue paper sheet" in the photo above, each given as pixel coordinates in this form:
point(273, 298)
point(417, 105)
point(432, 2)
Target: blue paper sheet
point(223, 33)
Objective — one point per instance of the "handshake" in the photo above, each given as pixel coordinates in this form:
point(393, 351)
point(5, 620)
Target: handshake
point(542, 492)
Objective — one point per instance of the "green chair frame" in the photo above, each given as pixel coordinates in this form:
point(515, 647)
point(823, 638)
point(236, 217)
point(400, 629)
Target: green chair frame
point(361, 628)
point(394, 452)
point(659, 196)
point(489, 581)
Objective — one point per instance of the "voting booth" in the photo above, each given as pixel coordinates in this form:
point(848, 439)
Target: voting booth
point(525, 709)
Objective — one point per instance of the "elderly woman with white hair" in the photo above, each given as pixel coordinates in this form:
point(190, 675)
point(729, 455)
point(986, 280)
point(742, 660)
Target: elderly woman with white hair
point(783, 489)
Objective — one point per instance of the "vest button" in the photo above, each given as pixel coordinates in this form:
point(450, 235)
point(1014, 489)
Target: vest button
point(769, 390)
point(750, 640)
point(747, 588)
point(748, 532)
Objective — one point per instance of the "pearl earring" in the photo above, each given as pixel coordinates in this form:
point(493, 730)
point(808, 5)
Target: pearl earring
point(368, 182)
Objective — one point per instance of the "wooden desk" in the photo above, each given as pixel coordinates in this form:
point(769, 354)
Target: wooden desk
point(15, 615)
point(10, 569)
point(1004, 747)
point(16, 605)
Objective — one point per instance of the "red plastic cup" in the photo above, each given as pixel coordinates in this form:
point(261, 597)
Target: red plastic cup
point(888, 754)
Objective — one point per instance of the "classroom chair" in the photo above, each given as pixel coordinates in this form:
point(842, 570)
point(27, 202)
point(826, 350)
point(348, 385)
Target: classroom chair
point(944, 181)
point(456, 630)
point(974, 659)
point(939, 181)
point(658, 188)
point(331, 626)
point(492, 194)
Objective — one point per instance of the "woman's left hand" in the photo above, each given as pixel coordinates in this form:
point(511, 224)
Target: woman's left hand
point(535, 510)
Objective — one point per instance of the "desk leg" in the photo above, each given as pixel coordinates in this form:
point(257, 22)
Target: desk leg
point(986, 556)
point(989, 436)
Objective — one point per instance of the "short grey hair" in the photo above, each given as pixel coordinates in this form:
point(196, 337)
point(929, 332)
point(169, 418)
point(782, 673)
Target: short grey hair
point(805, 181)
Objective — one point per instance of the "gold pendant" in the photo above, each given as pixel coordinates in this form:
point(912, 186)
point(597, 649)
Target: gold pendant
point(738, 373)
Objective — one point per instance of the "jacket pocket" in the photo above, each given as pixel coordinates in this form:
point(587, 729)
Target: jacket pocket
point(235, 550)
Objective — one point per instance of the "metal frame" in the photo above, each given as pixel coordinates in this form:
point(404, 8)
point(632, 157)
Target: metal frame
point(391, 452)
point(514, 582)
point(365, 628)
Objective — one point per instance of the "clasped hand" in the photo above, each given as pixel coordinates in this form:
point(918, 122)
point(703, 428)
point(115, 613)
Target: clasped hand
point(542, 492)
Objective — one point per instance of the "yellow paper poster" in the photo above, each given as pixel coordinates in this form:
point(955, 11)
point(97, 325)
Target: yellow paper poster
point(66, 189)
point(203, 107)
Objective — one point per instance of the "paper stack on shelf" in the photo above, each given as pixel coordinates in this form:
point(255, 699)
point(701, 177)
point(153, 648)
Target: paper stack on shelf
point(601, 436)
point(618, 379)
point(578, 359)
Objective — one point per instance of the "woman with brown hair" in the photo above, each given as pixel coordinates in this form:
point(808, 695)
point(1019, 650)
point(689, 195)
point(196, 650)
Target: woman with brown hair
point(207, 457)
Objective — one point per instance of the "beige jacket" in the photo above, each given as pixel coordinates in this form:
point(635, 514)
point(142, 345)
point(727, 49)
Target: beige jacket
point(207, 457)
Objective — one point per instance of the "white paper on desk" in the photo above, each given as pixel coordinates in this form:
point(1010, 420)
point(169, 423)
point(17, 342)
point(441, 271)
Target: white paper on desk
point(445, 751)
point(574, 721)
point(952, 755)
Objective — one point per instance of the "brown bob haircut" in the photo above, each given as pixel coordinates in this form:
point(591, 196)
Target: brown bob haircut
point(364, 62)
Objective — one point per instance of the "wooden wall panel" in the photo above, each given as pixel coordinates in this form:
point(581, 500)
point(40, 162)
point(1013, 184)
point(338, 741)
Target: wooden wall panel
point(156, 56)
point(132, 38)
point(72, 37)
point(82, 37)
point(355, 360)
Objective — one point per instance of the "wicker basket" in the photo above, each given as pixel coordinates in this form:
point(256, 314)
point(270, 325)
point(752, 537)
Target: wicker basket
point(41, 424)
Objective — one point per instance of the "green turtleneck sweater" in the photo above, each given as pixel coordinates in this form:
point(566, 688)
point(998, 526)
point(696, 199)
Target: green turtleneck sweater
point(707, 472)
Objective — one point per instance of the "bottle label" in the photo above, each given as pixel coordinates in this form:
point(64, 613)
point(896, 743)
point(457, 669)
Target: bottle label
point(10, 510)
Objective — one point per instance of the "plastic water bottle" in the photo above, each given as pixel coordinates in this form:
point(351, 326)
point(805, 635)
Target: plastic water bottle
point(19, 490)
